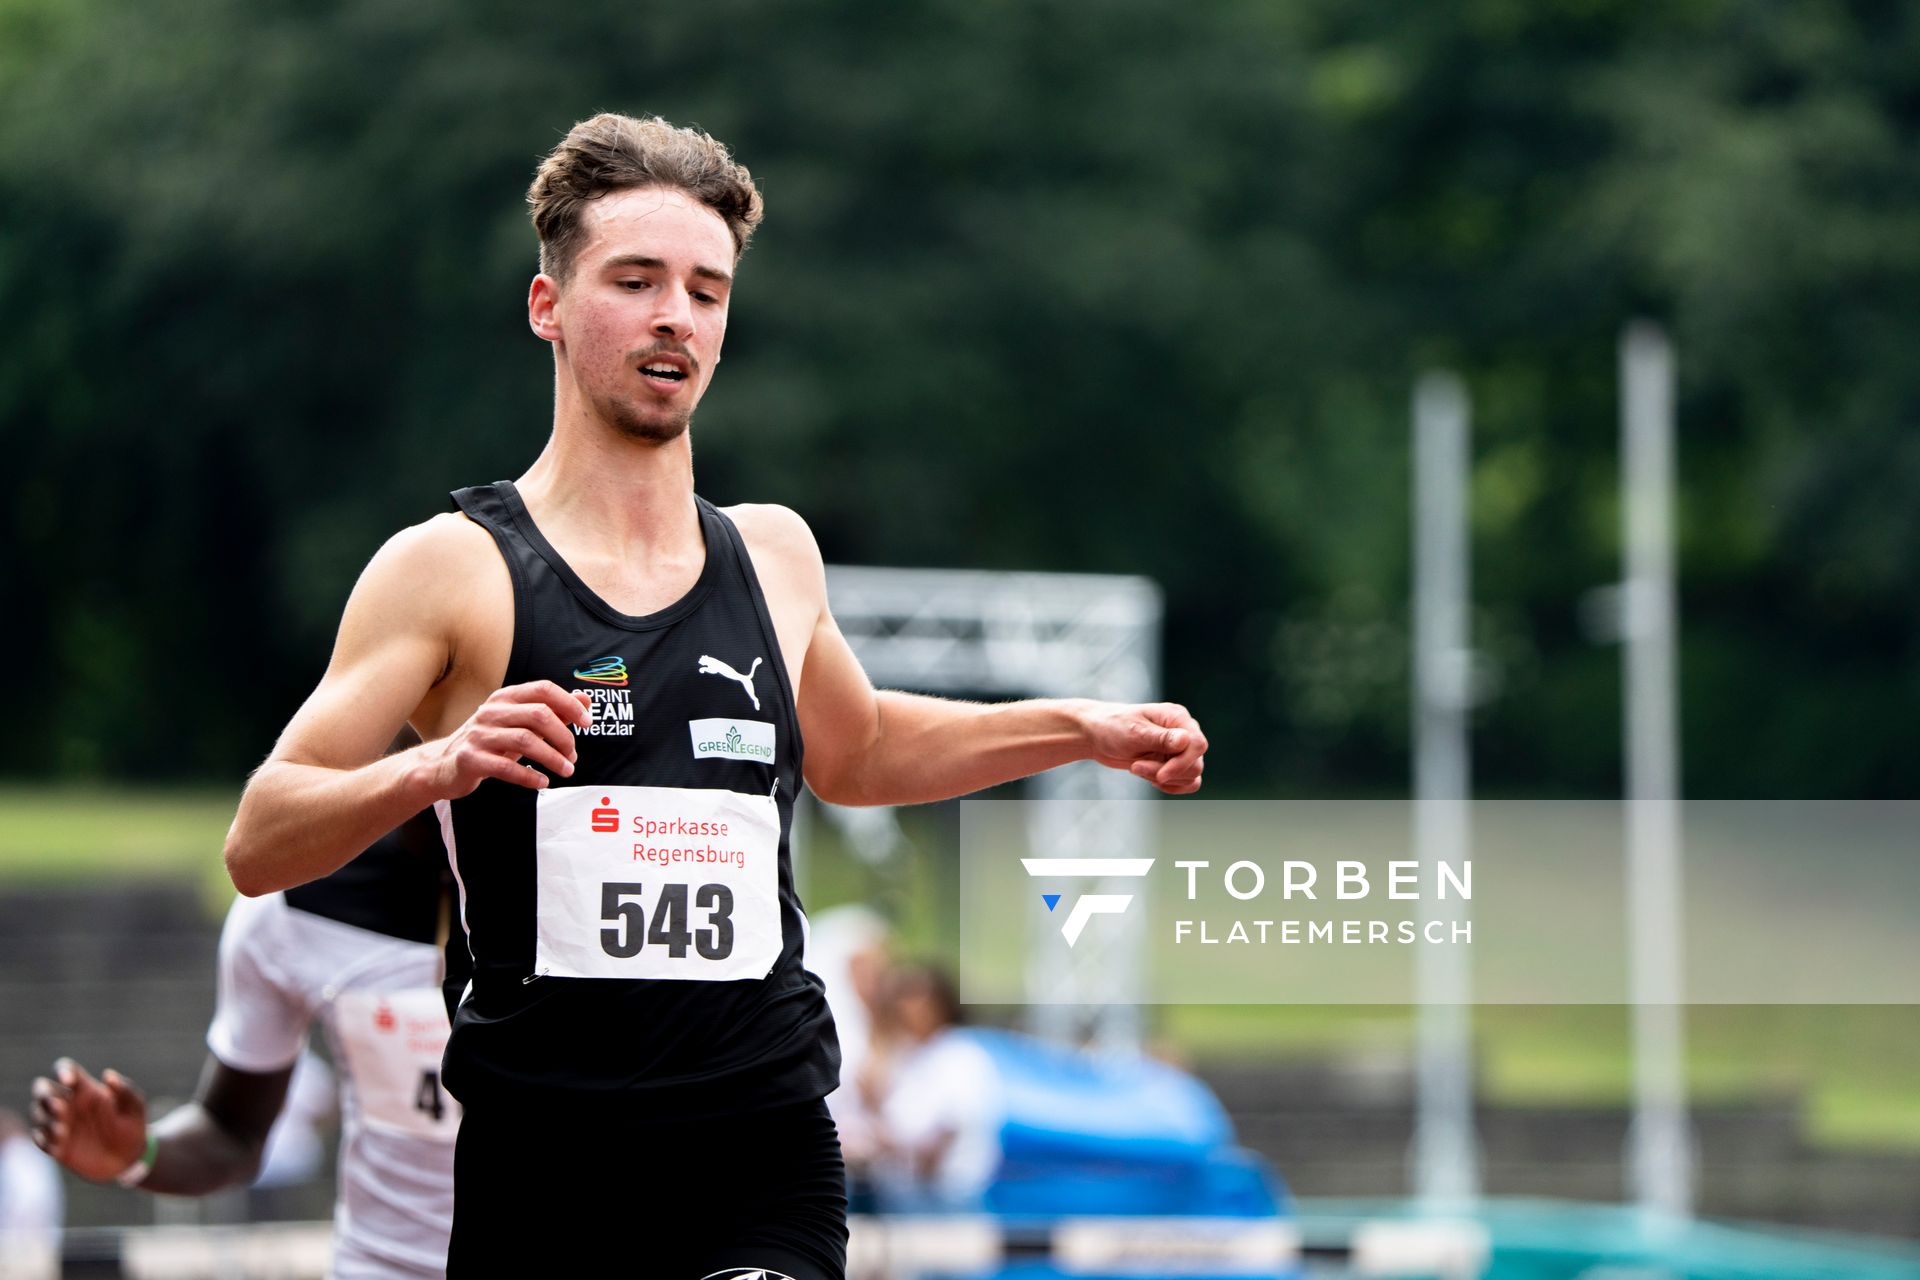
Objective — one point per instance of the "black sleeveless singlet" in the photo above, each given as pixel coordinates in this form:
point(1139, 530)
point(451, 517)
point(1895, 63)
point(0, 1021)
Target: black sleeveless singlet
point(394, 887)
point(697, 697)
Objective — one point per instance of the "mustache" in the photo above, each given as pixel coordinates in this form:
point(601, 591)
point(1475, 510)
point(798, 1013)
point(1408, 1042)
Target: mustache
point(667, 347)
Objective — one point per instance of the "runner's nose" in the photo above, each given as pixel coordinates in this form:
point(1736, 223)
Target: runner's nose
point(674, 318)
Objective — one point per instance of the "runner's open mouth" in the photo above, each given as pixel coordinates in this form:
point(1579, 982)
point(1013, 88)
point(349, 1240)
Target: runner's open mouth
point(663, 371)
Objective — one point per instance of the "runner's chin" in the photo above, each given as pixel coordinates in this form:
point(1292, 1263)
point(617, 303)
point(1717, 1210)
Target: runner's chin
point(661, 426)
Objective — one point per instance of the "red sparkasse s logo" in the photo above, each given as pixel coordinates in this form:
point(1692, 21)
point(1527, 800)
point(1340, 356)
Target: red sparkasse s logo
point(606, 819)
point(383, 1018)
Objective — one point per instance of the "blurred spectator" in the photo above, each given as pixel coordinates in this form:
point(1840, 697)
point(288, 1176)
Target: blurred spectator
point(939, 1109)
point(32, 1201)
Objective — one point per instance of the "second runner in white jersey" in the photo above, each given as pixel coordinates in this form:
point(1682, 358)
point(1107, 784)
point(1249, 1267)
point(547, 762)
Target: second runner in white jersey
point(281, 970)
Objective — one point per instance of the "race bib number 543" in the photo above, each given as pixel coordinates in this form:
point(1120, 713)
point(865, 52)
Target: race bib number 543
point(656, 882)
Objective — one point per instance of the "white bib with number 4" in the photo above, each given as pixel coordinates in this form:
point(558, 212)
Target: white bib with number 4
point(656, 882)
point(392, 1041)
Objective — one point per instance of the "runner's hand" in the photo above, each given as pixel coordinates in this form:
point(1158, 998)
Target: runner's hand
point(513, 730)
point(97, 1128)
point(1160, 742)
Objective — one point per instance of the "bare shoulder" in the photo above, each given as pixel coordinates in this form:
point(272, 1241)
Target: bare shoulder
point(412, 613)
point(425, 570)
point(786, 559)
point(445, 541)
point(779, 539)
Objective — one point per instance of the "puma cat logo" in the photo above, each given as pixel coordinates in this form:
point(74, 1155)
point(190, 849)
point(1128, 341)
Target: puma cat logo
point(715, 667)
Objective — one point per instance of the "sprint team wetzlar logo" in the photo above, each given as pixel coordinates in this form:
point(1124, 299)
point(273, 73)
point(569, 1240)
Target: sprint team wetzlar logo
point(1087, 905)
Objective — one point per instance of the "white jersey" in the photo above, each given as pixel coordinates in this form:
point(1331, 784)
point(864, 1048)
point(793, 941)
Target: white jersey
point(378, 997)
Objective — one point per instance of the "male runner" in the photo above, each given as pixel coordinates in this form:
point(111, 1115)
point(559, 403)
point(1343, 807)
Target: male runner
point(355, 951)
point(613, 678)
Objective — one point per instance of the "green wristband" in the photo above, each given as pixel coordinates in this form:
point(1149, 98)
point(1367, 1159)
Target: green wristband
point(136, 1173)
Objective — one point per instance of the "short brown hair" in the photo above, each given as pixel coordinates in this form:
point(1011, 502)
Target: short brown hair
point(619, 153)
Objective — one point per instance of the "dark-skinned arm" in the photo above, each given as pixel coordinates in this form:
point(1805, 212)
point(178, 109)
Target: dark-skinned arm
point(98, 1127)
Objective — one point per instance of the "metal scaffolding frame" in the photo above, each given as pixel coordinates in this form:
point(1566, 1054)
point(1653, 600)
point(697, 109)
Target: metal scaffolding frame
point(1058, 635)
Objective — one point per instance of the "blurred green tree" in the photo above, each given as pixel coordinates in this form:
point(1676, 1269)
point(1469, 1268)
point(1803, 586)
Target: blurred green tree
point(1120, 288)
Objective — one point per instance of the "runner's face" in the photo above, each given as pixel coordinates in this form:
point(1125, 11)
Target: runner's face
point(645, 312)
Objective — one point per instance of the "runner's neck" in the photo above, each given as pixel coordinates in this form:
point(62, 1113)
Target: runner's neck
point(597, 495)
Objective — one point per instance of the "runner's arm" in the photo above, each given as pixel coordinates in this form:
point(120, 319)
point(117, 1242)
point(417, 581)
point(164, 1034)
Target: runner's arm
point(326, 792)
point(98, 1128)
point(885, 747)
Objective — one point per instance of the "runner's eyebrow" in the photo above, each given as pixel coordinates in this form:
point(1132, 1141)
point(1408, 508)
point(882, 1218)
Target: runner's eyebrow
point(655, 264)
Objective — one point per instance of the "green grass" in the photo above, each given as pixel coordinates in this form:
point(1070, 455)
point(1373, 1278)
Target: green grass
point(78, 833)
point(1855, 1069)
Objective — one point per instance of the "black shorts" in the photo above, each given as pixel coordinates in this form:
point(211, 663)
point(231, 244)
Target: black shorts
point(538, 1194)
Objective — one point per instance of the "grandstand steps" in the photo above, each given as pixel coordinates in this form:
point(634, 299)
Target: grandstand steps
point(119, 977)
point(1335, 1133)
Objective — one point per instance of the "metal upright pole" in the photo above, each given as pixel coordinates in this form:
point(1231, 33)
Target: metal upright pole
point(1659, 1145)
point(1446, 1166)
